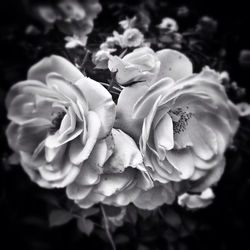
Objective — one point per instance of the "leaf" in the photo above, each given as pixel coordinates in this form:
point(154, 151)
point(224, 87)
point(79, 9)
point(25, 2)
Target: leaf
point(59, 217)
point(86, 226)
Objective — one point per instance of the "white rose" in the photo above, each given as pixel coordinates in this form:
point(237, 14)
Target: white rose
point(184, 122)
point(57, 116)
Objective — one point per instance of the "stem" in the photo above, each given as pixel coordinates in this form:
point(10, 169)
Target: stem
point(106, 225)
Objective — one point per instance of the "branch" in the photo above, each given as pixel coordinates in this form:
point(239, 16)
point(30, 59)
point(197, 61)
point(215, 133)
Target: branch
point(106, 225)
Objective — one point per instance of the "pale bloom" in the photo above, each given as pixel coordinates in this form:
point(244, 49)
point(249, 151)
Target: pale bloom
point(114, 174)
point(132, 37)
point(168, 24)
point(57, 116)
point(243, 109)
point(101, 58)
point(140, 65)
point(183, 122)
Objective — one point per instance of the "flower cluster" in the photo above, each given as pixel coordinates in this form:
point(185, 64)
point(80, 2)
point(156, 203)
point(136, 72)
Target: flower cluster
point(167, 134)
point(131, 38)
point(74, 18)
point(164, 140)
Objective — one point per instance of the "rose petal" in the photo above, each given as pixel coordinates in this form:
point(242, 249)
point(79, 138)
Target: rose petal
point(88, 175)
point(124, 198)
point(183, 161)
point(174, 65)
point(100, 101)
point(113, 183)
point(164, 134)
point(90, 200)
point(212, 177)
point(128, 97)
point(145, 102)
point(31, 133)
point(55, 64)
point(79, 152)
point(77, 192)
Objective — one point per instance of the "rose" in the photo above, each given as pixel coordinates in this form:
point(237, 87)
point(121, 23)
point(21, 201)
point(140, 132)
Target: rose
point(168, 24)
point(101, 58)
point(114, 174)
point(57, 116)
point(132, 37)
point(140, 65)
point(184, 122)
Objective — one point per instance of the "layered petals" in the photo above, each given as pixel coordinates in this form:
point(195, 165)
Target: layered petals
point(117, 179)
point(183, 123)
point(57, 117)
point(141, 65)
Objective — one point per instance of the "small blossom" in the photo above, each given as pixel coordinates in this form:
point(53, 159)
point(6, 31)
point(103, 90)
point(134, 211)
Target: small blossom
point(140, 65)
point(168, 24)
point(132, 38)
point(243, 109)
point(101, 58)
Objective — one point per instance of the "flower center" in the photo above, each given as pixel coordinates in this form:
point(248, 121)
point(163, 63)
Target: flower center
point(56, 121)
point(180, 119)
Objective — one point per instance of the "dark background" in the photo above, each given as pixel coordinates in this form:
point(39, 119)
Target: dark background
point(24, 207)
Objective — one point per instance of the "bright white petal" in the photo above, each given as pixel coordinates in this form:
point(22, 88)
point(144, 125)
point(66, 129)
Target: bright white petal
point(55, 64)
point(174, 65)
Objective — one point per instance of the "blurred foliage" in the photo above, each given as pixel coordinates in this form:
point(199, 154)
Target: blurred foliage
point(31, 216)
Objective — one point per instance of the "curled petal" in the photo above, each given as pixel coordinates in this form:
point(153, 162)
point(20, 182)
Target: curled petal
point(164, 134)
point(77, 192)
point(79, 152)
point(124, 120)
point(56, 64)
point(194, 201)
point(145, 102)
point(100, 101)
point(210, 179)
